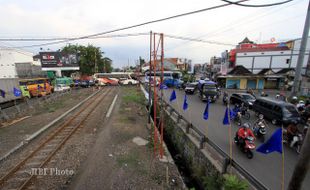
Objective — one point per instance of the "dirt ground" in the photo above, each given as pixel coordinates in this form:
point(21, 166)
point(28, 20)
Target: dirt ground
point(116, 162)
point(39, 116)
point(105, 153)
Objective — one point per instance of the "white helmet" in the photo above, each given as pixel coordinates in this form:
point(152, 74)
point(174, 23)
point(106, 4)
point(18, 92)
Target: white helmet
point(261, 116)
point(246, 125)
point(294, 98)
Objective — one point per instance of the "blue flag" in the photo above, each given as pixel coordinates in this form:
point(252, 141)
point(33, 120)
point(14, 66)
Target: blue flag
point(39, 87)
point(206, 112)
point(17, 92)
point(185, 104)
point(163, 87)
point(226, 117)
point(273, 144)
point(173, 96)
point(2, 93)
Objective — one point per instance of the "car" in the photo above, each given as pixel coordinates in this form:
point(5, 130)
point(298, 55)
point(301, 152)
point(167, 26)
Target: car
point(278, 112)
point(109, 81)
point(84, 83)
point(61, 88)
point(129, 81)
point(245, 98)
point(190, 88)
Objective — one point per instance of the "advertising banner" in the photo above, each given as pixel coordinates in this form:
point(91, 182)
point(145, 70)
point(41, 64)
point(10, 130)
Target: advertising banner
point(57, 59)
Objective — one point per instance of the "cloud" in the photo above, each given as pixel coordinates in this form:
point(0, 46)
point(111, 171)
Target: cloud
point(42, 18)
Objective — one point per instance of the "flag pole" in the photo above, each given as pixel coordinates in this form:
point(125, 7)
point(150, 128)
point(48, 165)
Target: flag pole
point(230, 135)
point(282, 182)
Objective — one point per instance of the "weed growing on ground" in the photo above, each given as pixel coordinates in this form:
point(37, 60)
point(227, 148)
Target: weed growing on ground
point(132, 95)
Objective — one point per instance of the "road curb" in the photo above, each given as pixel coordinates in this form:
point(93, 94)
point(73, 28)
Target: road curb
point(36, 134)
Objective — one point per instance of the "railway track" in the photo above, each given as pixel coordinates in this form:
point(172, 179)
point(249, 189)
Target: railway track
point(21, 175)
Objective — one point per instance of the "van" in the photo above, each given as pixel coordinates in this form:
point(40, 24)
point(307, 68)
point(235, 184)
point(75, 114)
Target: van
point(278, 112)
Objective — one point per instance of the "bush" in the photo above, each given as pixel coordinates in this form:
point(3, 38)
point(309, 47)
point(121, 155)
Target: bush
point(231, 182)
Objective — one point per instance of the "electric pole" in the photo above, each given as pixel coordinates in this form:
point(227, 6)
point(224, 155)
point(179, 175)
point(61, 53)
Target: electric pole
point(297, 79)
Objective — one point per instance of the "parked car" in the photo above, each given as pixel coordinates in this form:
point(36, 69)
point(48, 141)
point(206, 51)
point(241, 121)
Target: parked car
point(190, 88)
point(278, 112)
point(245, 98)
point(61, 88)
point(129, 82)
point(109, 81)
point(84, 83)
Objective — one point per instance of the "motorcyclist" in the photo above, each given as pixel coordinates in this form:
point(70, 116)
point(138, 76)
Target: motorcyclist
point(260, 119)
point(243, 133)
point(292, 131)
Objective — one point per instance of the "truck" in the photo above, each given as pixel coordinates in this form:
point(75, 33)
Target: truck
point(207, 90)
point(7, 85)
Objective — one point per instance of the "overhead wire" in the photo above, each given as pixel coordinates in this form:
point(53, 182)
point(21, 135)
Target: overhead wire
point(234, 24)
point(256, 6)
point(132, 26)
point(66, 38)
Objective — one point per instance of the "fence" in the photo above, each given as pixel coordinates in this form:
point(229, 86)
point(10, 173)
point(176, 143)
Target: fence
point(203, 139)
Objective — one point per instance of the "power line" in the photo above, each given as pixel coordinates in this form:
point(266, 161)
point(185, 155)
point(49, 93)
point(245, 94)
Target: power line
point(67, 38)
point(198, 40)
point(133, 26)
point(256, 6)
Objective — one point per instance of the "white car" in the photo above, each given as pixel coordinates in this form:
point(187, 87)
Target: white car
point(129, 82)
point(61, 88)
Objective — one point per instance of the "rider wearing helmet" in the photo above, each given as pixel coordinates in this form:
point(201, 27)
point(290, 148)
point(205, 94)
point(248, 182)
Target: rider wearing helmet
point(243, 133)
point(260, 119)
point(292, 130)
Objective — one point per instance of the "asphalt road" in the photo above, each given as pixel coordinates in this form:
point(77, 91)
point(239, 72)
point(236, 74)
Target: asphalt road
point(266, 168)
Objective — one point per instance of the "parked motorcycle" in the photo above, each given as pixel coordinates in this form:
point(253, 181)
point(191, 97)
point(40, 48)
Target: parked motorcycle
point(247, 146)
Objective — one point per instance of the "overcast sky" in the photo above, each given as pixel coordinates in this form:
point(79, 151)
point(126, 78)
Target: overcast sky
point(73, 18)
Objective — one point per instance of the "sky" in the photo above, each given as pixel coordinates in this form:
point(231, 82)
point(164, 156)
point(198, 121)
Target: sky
point(74, 18)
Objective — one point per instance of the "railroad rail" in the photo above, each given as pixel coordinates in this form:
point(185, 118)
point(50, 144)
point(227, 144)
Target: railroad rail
point(20, 176)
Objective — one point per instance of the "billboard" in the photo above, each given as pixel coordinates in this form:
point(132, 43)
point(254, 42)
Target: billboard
point(58, 59)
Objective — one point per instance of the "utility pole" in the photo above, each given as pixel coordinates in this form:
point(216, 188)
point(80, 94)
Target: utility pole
point(96, 68)
point(149, 77)
point(297, 79)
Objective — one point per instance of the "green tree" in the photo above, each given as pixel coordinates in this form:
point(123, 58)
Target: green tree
point(91, 58)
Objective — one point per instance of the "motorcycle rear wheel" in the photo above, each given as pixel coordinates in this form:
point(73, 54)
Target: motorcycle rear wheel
point(249, 154)
point(246, 115)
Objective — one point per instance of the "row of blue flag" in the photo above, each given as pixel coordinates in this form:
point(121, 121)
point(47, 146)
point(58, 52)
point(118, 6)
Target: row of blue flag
point(273, 144)
point(16, 92)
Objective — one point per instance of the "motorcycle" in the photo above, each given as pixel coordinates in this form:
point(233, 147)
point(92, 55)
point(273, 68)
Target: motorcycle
point(259, 130)
point(296, 143)
point(243, 111)
point(225, 100)
point(236, 117)
point(247, 146)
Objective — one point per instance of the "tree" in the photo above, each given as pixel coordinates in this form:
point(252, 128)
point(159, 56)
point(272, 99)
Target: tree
point(91, 58)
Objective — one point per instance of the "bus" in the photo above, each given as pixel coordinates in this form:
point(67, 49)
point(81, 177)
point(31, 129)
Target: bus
point(117, 75)
point(36, 86)
point(171, 78)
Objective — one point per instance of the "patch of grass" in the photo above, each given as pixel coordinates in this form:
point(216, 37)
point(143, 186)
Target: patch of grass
point(231, 182)
point(130, 159)
point(133, 95)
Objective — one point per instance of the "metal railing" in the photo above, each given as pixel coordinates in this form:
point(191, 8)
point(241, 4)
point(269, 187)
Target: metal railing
point(203, 139)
